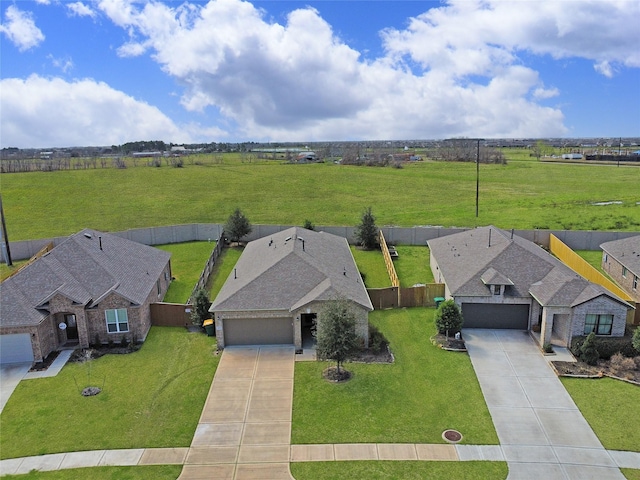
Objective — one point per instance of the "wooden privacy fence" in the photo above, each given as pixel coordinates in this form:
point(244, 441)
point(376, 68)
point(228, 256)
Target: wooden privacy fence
point(170, 314)
point(208, 268)
point(388, 261)
point(396, 297)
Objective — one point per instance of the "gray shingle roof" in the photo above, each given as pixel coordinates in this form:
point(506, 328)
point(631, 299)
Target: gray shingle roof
point(625, 251)
point(290, 269)
point(467, 260)
point(80, 270)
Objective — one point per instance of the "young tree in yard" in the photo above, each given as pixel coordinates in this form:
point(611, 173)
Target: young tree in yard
point(237, 226)
point(367, 232)
point(635, 341)
point(448, 317)
point(336, 332)
point(201, 305)
point(588, 351)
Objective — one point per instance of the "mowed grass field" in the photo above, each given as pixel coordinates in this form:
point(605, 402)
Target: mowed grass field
point(521, 194)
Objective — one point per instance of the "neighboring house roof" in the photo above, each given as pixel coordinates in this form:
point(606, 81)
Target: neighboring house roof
point(471, 260)
point(625, 251)
point(83, 272)
point(291, 269)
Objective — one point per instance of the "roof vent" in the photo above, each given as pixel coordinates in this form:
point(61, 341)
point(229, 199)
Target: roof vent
point(287, 239)
point(88, 235)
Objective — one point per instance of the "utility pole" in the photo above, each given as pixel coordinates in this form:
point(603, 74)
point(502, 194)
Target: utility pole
point(6, 252)
point(477, 174)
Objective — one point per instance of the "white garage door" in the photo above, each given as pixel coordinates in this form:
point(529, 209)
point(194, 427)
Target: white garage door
point(16, 348)
point(258, 331)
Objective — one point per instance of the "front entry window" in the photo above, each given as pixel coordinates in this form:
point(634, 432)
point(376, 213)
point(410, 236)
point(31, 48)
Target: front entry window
point(117, 320)
point(599, 324)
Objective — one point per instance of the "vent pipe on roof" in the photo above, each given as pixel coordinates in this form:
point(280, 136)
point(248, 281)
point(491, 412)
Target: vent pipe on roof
point(512, 234)
point(235, 273)
point(489, 237)
point(100, 240)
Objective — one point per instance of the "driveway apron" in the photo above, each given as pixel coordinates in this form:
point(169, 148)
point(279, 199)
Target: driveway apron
point(244, 431)
point(10, 376)
point(542, 433)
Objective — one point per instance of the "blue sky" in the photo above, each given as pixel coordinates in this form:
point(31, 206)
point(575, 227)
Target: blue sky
point(103, 72)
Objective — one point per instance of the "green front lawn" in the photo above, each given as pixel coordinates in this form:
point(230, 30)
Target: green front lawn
point(610, 407)
point(387, 470)
point(152, 472)
point(187, 262)
point(426, 391)
point(631, 473)
point(150, 398)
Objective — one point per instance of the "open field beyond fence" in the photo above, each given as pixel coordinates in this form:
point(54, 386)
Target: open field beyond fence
point(523, 194)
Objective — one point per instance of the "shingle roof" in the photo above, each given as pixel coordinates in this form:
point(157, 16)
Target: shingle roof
point(625, 251)
point(290, 269)
point(468, 260)
point(83, 272)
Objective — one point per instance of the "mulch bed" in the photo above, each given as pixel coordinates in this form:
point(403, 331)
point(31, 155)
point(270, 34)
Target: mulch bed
point(449, 344)
point(368, 356)
point(604, 367)
point(85, 354)
point(46, 363)
point(331, 374)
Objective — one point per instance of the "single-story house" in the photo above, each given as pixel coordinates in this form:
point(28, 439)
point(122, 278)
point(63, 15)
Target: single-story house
point(621, 260)
point(276, 291)
point(501, 280)
point(91, 288)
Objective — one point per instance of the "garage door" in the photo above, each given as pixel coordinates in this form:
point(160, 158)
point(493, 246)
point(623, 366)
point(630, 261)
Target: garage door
point(16, 348)
point(258, 331)
point(483, 315)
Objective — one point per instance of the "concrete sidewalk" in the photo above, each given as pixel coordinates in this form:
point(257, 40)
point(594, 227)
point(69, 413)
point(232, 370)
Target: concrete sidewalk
point(542, 433)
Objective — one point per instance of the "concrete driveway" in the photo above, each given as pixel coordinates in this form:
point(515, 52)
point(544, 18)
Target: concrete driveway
point(244, 431)
point(542, 433)
point(10, 377)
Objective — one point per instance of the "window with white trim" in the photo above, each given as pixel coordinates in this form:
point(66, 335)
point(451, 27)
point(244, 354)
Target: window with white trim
point(599, 324)
point(117, 320)
point(635, 282)
point(496, 289)
point(624, 272)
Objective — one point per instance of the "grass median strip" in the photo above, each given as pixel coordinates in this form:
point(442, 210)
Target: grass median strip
point(426, 391)
point(155, 472)
point(150, 398)
point(389, 470)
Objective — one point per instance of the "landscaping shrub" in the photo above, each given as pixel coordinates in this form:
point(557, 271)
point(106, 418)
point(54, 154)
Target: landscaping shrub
point(606, 346)
point(201, 306)
point(448, 317)
point(620, 363)
point(588, 351)
point(636, 340)
point(377, 341)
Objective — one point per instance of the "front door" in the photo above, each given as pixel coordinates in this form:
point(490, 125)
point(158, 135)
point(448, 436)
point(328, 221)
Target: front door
point(72, 326)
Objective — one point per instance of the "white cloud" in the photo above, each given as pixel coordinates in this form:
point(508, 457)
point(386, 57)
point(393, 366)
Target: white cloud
point(20, 29)
point(454, 71)
point(63, 63)
point(81, 10)
point(50, 112)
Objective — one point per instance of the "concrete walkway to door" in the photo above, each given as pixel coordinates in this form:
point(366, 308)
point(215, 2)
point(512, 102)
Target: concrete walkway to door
point(542, 433)
point(245, 427)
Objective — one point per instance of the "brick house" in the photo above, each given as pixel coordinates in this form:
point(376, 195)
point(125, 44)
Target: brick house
point(275, 293)
point(621, 260)
point(501, 280)
point(91, 288)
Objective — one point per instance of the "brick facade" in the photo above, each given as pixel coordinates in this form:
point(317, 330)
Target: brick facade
point(615, 269)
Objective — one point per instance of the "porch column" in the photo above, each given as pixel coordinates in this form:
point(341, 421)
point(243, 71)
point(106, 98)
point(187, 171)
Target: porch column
point(546, 327)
